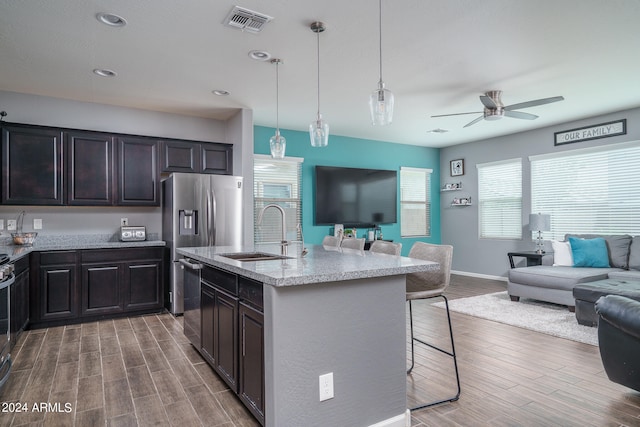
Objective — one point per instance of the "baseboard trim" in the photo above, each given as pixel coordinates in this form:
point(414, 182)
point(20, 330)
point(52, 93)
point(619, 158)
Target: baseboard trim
point(480, 276)
point(402, 420)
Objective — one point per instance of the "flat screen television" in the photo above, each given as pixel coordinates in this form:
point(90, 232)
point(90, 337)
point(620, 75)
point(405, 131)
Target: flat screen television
point(355, 197)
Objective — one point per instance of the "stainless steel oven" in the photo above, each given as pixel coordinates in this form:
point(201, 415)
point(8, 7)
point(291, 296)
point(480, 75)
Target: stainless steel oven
point(6, 280)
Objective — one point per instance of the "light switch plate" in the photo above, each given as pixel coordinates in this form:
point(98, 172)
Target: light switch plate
point(1, 224)
point(37, 224)
point(11, 225)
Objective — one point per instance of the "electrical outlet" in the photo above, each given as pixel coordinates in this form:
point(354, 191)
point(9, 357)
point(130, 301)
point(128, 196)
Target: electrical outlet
point(124, 222)
point(326, 386)
point(11, 225)
point(37, 224)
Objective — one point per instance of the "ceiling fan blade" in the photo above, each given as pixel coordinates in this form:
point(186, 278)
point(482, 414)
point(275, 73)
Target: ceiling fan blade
point(488, 102)
point(474, 121)
point(534, 103)
point(520, 115)
point(457, 114)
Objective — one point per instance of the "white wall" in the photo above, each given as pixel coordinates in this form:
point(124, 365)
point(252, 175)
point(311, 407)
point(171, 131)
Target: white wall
point(459, 225)
point(46, 111)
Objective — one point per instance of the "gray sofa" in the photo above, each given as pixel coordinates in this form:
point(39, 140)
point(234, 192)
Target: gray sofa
point(552, 283)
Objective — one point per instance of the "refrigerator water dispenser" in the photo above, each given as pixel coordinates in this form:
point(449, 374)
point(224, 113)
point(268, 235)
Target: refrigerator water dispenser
point(188, 222)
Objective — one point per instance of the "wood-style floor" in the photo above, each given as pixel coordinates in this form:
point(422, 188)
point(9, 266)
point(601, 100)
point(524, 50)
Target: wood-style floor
point(142, 371)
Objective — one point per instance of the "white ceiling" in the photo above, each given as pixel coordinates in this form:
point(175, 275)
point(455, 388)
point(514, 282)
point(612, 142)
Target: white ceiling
point(438, 57)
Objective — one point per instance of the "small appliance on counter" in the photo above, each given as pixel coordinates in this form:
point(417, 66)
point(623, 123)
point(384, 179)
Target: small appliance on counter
point(130, 233)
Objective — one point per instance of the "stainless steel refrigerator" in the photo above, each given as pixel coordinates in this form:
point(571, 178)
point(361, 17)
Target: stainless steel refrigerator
point(198, 210)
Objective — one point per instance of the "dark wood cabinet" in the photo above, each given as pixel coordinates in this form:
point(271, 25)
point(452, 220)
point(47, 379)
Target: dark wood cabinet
point(90, 178)
point(219, 311)
point(217, 158)
point(141, 283)
point(232, 333)
point(58, 166)
point(93, 284)
point(32, 165)
point(181, 156)
point(138, 174)
point(101, 289)
point(196, 157)
point(19, 307)
point(57, 286)
point(251, 377)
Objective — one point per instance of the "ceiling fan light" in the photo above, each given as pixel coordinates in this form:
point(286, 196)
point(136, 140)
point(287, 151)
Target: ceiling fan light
point(319, 132)
point(381, 104)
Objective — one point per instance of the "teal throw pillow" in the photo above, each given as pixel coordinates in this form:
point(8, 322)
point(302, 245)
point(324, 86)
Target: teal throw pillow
point(589, 252)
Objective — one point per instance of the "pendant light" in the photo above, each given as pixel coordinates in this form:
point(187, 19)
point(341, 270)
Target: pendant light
point(277, 143)
point(319, 129)
point(381, 99)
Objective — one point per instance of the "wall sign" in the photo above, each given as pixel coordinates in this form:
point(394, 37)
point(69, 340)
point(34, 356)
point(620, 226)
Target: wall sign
point(603, 130)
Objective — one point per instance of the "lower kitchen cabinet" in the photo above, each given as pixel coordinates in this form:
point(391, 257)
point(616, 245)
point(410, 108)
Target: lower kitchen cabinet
point(251, 378)
point(220, 332)
point(232, 334)
point(56, 294)
point(71, 286)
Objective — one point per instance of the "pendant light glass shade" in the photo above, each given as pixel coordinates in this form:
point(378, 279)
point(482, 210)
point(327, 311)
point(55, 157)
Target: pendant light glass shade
point(277, 143)
point(319, 132)
point(318, 129)
point(381, 105)
point(381, 100)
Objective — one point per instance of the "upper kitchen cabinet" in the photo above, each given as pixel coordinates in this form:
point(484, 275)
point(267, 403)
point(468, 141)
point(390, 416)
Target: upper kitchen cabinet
point(180, 156)
point(196, 157)
point(89, 157)
point(217, 158)
point(32, 165)
point(138, 172)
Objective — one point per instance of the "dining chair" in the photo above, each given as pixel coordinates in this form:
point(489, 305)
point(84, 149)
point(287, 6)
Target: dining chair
point(384, 247)
point(353, 243)
point(330, 241)
point(431, 284)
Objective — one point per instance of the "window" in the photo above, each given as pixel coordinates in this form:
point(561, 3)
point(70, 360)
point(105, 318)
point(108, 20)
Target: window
point(588, 191)
point(277, 181)
point(500, 199)
point(415, 202)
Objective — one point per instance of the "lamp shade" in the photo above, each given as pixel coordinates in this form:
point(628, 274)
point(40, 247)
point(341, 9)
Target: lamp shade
point(539, 222)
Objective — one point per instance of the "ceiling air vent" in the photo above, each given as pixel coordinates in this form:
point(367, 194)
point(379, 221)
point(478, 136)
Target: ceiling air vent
point(246, 20)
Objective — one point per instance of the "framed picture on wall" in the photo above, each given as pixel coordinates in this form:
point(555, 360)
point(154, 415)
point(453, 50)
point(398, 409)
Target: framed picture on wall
point(457, 167)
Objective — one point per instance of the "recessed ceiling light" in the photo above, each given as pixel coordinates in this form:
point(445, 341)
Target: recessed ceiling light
point(103, 72)
point(438, 130)
point(111, 19)
point(259, 55)
point(220, 92)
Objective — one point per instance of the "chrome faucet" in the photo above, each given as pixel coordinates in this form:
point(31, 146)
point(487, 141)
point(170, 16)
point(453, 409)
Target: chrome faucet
point(283, 241)
point(19, 221)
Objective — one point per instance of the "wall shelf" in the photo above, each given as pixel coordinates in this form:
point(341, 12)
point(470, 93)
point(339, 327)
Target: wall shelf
point(455, 186)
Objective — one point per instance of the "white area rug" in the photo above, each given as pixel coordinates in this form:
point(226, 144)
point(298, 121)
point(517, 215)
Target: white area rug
point(537, 316)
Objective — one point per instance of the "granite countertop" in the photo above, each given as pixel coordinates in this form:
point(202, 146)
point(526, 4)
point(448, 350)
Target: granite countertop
point(72, 242)
point(321, 264)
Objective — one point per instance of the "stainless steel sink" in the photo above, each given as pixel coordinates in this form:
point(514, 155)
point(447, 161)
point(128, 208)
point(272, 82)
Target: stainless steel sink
point(253, 256)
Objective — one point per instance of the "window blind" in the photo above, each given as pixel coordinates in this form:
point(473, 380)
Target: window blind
point(277, 181)
point(415, 202)
point(588, 191)
point(500, 199)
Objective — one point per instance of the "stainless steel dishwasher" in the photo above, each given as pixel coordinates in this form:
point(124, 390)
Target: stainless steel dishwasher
point(192, 322)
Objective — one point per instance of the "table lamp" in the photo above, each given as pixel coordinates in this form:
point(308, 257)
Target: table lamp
point(539, 222)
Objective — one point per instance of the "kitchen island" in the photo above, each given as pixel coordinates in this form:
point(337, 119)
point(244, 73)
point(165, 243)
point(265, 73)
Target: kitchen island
point(332, 311)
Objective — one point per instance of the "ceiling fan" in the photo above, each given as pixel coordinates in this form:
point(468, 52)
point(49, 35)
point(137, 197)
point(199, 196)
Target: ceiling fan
point(494, 109)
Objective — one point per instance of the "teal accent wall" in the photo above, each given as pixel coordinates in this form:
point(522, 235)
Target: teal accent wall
point(356, 153)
